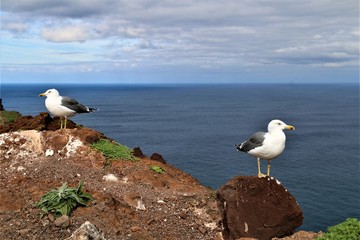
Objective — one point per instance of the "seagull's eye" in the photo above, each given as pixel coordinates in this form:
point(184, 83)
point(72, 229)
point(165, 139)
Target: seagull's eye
point(279, 123)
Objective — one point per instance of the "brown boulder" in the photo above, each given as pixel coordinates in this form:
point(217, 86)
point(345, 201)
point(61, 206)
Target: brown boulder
point(158, 157)
point(137, 152)
point(257, 207)
point(1, 106)
point(43, 121)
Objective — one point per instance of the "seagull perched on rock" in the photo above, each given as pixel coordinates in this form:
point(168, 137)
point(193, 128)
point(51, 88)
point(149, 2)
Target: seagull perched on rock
point(266, 145)
point(63, 107)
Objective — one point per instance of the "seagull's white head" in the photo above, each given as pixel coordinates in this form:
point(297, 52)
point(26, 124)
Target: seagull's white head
point(50, 93)
point(276, 125)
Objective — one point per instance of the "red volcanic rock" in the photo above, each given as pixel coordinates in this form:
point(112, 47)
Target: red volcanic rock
point(258, 208)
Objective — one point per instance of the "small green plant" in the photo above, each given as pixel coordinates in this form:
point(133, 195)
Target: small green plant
point(157, 169)
point(213, 194)
point(64, 200)
point(349, 229)
point(113, 150)
point(8, 117)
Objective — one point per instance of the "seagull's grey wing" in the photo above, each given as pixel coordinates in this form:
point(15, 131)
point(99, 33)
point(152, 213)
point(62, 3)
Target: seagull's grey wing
point(74, 105)
point(256, 140)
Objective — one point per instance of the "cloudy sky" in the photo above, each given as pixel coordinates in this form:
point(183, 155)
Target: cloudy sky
point(148, 41)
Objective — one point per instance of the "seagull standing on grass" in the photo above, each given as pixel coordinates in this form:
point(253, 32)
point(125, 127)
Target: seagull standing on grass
point(266, 145)
point(63, 107)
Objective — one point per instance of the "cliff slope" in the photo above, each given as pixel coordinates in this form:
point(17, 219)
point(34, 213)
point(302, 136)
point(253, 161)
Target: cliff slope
point(131, 200)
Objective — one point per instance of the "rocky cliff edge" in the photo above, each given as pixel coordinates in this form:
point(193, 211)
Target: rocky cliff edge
point(131, 200)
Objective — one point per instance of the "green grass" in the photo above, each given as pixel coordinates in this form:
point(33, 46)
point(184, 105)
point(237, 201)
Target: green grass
point(113, 151)
point(349, 229)
point(8, 116)
point(157, 169)
point(64, 200)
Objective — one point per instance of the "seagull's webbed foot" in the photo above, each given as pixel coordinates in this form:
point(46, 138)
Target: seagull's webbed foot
point(261, 175)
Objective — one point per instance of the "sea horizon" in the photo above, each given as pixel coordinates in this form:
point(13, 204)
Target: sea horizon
point(182, 83)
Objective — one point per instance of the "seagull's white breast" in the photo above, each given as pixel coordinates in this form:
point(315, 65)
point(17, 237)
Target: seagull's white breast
point(53, 104)
point(273, 146)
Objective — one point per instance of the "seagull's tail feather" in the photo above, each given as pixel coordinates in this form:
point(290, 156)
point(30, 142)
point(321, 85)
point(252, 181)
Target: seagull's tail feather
point(93, 109)
point(238, 147)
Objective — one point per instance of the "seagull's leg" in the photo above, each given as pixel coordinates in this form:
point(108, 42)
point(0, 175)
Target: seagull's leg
point(268, 169)
point(61, 123)
point(65, 121)
point(260, 175)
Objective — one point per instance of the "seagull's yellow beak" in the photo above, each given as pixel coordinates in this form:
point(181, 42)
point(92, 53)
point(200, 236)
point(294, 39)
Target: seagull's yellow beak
point(41, 94)
point(289, 127)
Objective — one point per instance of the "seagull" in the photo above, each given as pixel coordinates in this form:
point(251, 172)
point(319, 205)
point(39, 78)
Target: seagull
point(266, 145)
point(63, 107)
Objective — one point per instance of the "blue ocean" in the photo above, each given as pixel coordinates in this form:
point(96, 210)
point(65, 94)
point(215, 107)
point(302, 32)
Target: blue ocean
point(195, 127)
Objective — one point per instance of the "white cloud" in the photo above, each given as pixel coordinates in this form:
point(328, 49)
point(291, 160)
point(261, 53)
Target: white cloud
point(15, 27)
point(65, 34)
point(356, 32)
